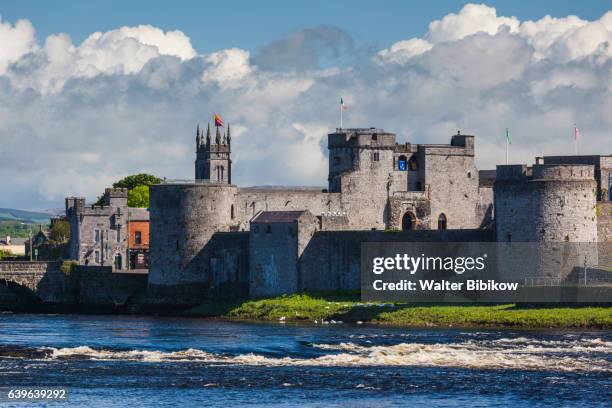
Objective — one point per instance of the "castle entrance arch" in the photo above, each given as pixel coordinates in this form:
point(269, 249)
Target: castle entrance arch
point(409, 221)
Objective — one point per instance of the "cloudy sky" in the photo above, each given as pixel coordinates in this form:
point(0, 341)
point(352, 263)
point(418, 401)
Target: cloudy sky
point(90, 97)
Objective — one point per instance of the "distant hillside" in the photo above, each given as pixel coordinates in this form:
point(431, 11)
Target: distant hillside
point(29, 217)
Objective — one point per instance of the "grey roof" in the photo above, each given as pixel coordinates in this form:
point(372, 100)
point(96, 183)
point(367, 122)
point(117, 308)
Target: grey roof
point(277, 216)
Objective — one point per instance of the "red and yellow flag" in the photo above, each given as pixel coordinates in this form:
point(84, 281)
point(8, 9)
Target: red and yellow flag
point(218, 120)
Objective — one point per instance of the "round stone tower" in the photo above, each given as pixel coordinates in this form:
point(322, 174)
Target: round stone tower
point(183, 218)
point(546, 203)
point(566, 197)
point(549, 210)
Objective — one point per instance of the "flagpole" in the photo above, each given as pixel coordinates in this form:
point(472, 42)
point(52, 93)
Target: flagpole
point(575, 140)
point(506, 146)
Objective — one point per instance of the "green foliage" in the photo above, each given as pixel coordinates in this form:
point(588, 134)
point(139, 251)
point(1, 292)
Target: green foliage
point(136, 180)
point(139, 197)
point(132, 182)
point(349, 309)
point(60, 232)
point(4, 254)
point(15, 229)
point(68, 266)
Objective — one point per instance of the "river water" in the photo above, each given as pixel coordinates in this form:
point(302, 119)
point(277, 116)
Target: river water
point(118, 361)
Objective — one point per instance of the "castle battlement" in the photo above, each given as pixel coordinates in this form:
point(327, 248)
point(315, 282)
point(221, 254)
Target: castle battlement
point(362, 138)
point(563, 172)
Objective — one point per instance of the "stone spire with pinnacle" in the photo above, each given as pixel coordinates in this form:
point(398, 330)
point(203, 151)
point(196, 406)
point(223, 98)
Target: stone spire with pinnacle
point(198, 137)
point(208, 136)
point(229, 137)
point(218, 137)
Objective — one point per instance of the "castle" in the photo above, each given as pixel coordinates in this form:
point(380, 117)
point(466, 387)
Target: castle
point(210, 238)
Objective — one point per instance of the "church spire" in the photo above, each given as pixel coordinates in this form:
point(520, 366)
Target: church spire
point(218, 137)
point(229, 137)
point(208, 136)
point(198, 137)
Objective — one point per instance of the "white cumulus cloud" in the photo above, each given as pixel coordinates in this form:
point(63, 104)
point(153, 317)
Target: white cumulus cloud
point(75, 117)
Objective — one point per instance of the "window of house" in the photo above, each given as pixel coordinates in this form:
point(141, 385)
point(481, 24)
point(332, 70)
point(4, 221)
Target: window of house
point(232, 213)
point(138, 238)
point(97, 256)
point(118, 233)
point(376, 156)
point(97, 235)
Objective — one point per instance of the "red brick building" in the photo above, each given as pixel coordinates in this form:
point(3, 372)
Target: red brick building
point(138, 240)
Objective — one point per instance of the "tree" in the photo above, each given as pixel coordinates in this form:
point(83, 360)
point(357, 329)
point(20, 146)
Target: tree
point(139, 197)
point(136, 180)
point(131, 182)
point(60, 231)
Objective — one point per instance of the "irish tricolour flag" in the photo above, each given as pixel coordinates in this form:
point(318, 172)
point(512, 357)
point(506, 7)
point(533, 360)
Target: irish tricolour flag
point(343, 105)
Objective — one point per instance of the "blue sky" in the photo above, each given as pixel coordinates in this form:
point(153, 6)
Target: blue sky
point(97, 90)
point(249, 25)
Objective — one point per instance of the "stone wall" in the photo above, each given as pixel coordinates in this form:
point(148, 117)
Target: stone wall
point(484, 207)
point(184, 217)
point(250, 201)
point(331, 260)
point(452, 179)
point(553, 203)
point(32, 285)
point(604, 222)
point(273, 257)
point(98, 287)
point(35, 281)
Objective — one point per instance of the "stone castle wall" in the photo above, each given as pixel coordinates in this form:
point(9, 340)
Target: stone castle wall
point(332, 259)
point(552, 203)
point(184, 217)
point(26, 285)
point(250, 201)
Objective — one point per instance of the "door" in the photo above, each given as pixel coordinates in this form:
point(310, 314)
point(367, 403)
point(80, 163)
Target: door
point(118, 262)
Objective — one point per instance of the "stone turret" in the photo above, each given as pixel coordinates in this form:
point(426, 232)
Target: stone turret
point(213, 160)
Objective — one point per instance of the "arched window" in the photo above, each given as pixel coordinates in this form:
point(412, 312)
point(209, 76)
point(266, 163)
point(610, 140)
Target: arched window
point(402, 163)
point(412, 163)
point(232, 213)
point(442, 222)
point(409, 221)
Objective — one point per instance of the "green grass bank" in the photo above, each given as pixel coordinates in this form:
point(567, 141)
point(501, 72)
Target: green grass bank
point(347, 308)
